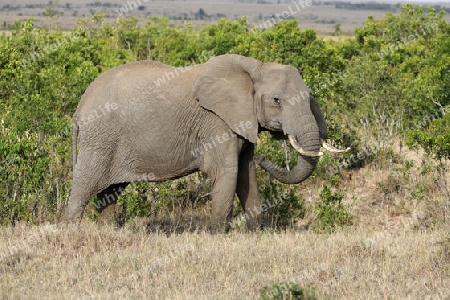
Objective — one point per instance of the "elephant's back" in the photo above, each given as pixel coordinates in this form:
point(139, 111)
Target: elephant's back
point(109, 79)
point(143, 80)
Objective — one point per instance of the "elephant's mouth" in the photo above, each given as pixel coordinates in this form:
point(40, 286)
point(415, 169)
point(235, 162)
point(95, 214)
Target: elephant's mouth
point(278, 135)
point(300, 150)
point(332, 149)
point(326, 146)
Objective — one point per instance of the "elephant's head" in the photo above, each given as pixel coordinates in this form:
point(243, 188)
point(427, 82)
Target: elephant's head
point(271, 97)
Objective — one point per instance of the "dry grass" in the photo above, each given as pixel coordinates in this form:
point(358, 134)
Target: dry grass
point(91, 262)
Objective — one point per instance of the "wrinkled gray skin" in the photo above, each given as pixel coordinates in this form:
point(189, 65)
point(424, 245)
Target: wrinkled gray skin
point(153, 132)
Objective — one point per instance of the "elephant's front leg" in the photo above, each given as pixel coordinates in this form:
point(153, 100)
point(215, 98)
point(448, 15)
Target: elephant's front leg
point(223, 174)
point(247, 188)
point(223, 191)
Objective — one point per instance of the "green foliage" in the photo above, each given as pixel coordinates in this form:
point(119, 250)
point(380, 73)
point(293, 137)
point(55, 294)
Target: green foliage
point(287, 291)
point(281, 206)
point(331, 213)
point(434, 139)
point(162, 199)
point(411, 20)
point(42, 77)
point(33, 176)
point(399, 73)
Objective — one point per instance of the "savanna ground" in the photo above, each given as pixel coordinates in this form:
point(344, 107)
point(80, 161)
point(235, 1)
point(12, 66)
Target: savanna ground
point(92, 262)
point(396, 244)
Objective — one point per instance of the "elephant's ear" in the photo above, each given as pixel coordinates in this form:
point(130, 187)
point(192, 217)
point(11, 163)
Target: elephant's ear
point(224, 85)
point(318, 115)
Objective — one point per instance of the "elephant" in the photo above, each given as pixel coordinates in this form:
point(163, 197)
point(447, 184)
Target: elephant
point(147, 121)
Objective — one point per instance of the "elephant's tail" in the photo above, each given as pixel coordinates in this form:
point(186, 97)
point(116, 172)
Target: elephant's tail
point(74, 142)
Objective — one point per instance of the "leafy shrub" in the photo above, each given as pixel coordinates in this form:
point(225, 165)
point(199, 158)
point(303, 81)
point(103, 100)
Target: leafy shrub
point(331, 213)
point(281, 206)
point(33, 175)
point(287, 291)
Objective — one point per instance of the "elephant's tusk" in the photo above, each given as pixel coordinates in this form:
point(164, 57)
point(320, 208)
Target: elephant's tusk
point(333, 149)
point(300, 150)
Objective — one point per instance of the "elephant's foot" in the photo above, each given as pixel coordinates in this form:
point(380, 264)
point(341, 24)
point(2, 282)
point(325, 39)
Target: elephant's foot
point(254, 224)
point(218, 227)
point(72, 214)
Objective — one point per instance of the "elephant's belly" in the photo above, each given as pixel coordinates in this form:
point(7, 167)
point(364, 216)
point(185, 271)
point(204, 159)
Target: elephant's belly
point(158, 172)
point(160, 164)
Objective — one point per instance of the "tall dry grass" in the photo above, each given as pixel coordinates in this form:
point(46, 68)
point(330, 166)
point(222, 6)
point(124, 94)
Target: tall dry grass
point(92, 262)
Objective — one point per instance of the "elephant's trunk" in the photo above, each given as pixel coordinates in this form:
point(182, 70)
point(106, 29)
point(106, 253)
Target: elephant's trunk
point(308, 145)
point(299, 173)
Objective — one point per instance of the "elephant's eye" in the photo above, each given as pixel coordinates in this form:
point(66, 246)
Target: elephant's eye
point(277, 100)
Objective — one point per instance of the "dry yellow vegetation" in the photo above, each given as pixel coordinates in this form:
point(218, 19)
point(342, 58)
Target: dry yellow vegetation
point(92, 262)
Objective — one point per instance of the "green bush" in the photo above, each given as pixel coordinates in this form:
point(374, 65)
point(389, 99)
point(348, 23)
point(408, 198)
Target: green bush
point(331, 213)
point(33, 175)
point(282, 206)
point(287, 291)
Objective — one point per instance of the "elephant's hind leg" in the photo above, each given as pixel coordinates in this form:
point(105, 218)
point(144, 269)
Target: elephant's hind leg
point(247, 189)
point(88, 180)
point(80, 195)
